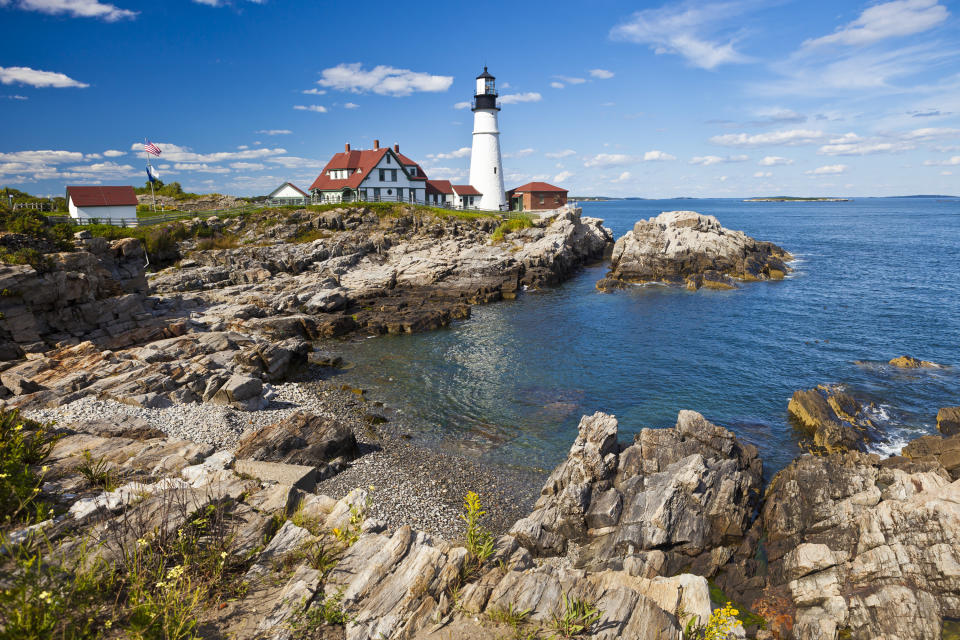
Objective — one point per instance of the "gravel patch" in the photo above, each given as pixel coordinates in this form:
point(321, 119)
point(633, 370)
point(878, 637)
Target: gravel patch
point(414, 483)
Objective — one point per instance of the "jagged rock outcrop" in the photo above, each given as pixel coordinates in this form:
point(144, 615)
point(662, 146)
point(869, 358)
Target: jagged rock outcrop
point(88, 294)
point(389, 584)
point(685, 247)
point(944, 451)
point(220, 367)
point(833, 419)
point(864, 548)
point(680, 499)
point(390, 274)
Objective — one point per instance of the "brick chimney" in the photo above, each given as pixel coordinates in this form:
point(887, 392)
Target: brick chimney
point(396, 148)
point(347, 147)
point(376, 145)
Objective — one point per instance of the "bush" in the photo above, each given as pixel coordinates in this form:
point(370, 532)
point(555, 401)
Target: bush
point(23, 445)
point(513, 224)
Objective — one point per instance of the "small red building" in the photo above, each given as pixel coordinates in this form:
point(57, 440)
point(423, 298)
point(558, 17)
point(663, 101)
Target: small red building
point(536, 196)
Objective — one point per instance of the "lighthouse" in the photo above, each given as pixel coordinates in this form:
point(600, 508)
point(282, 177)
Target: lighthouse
point(486, 166)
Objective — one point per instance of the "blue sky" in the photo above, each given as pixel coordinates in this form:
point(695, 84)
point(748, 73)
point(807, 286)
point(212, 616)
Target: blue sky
point(607, 98)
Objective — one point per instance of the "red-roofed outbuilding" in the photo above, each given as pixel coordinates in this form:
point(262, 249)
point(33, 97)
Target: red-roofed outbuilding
point(536, 196)
point(103, 203)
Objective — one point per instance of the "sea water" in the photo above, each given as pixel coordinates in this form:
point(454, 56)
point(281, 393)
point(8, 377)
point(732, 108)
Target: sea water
point(873, 279)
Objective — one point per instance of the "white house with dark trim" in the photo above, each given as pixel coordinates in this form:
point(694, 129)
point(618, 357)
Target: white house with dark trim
point(370, 175)
point(102, 203)
point(289, 193)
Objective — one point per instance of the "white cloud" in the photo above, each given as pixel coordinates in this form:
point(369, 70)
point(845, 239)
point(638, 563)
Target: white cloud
point(830, 169)
point(776, 116)
point(946, 173)
point(294, 162)
point(687, 31)
point(608, 160)
point(199, 167)
point(315, 92)
point(382, 79)
point(786, 137)
point(562, 176)
point(955, 160)
point(561, 154)
point(707, 161)
point(37, 78)
point(602, 74)
point(931, 133)
point(570, 79)
point(763, 174)
point(514, 98)
point(176, 153)
point(462, 105)
point(316, 108)
point(275, 132)
point(113, 153)
point(887, 20)
point(42, 156)
point(110, 168)
point(772, 161)
point(448, 173)
point(557, 85)
point(251, 166)
point(462, 152)
point(350, 105)
point(722, 178)
point(862, 148)
point(74, 8)
point(243, 146)
point(657, 155)
point(623, 177)
point(522, 153)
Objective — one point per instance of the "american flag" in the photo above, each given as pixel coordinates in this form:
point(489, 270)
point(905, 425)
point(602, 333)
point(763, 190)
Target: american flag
point(151, 148)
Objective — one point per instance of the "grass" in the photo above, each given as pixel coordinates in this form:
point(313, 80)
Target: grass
point(479, 541)
point(96, 472)
point(575, 618)
point(327, 610)
point(218, 241)
point(513, 224)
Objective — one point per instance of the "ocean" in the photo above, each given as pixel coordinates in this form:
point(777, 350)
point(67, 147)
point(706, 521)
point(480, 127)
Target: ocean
point(873, 278)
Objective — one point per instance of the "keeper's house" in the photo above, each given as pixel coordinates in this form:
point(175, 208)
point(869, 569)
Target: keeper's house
point(102, 203)
point(370, 175)
point(535, 196)
point(289, 193)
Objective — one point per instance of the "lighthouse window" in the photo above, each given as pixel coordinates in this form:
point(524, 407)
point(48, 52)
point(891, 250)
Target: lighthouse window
point(494, 169)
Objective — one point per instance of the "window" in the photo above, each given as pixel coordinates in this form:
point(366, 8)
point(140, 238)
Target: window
point(388, 158)
point(541, 199)
point(494, 170)
point(389, 192)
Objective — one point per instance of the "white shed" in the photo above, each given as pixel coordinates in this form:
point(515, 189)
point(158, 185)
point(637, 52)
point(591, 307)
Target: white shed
point(290, 193)
point(102, 203)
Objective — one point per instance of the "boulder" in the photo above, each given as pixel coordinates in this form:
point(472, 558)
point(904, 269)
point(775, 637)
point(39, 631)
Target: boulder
point(948, 421)
point(679, 499)
point(686, 247)
point(301, 438)
point(832, 419)
point(863, 547)
point(909, 362)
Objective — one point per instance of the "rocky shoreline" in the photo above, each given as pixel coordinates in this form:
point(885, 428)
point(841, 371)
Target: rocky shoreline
point(203, 399)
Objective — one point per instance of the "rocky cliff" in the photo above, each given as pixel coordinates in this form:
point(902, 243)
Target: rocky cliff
point(685, 247)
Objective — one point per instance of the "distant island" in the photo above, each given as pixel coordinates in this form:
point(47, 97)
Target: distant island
point(793, 199)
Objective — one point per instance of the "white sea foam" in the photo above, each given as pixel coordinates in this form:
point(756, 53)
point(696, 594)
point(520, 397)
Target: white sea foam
point(893, 447)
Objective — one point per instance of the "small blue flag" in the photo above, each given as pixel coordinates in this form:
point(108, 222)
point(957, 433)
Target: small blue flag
point(152, 174)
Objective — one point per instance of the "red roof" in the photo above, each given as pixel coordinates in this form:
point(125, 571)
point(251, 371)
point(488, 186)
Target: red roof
point(102, 196)
point(466, 190)
point(362, 162)
point(439, 187)
point(537, 187)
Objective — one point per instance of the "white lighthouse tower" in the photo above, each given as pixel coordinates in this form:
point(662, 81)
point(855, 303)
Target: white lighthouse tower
point(486, 166)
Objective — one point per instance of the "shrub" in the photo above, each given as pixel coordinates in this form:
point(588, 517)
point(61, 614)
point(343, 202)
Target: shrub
point(23, 445)
point(576, 617)
point(513, 224)
point(479, 540)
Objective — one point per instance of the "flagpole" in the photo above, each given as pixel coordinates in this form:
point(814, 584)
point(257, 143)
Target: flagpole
point(150, 180)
